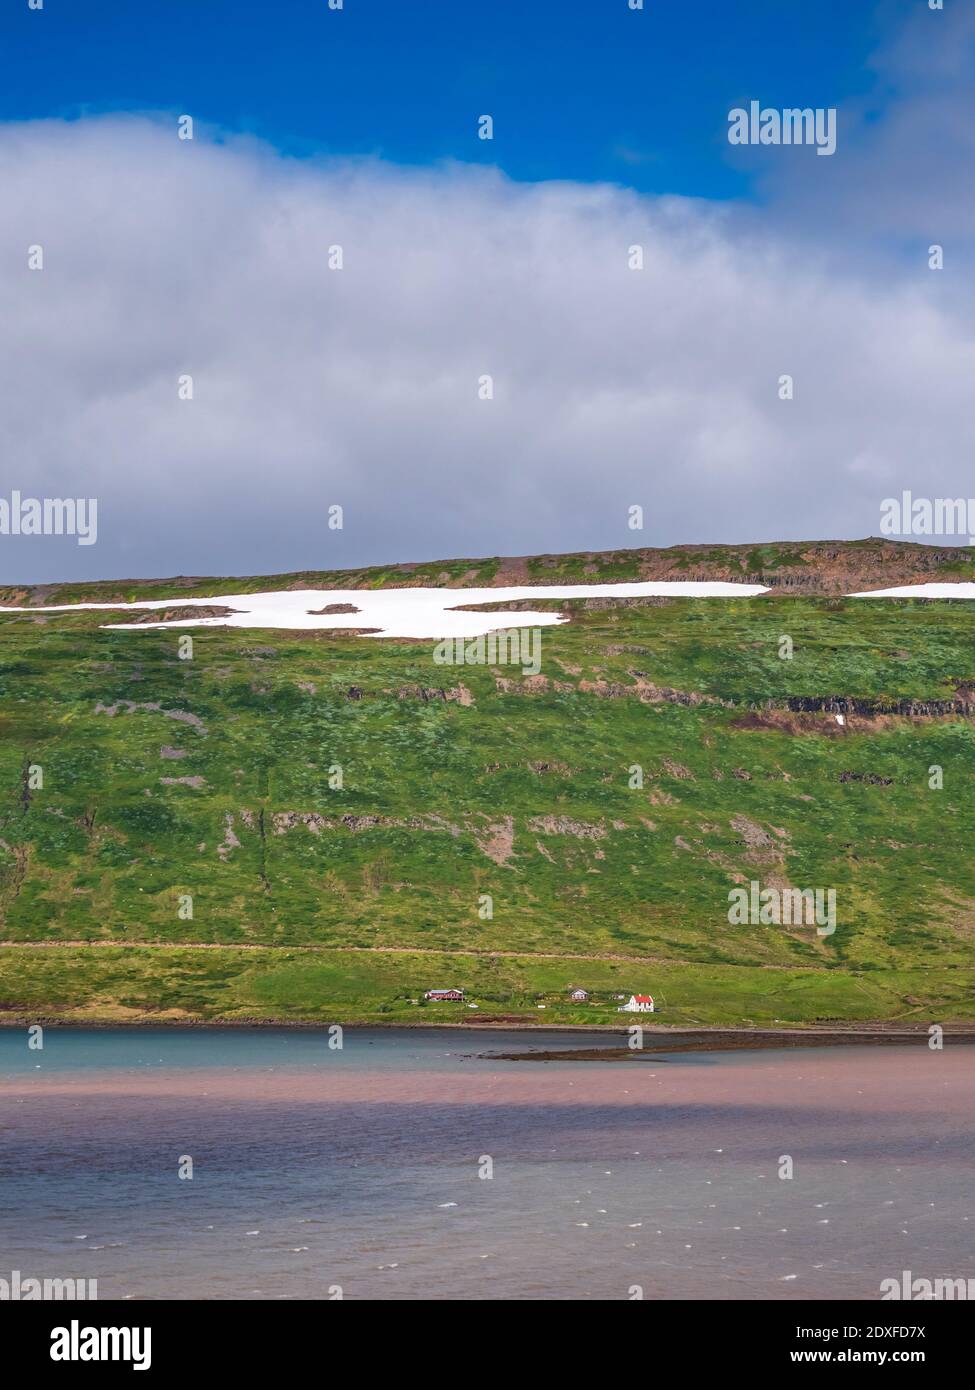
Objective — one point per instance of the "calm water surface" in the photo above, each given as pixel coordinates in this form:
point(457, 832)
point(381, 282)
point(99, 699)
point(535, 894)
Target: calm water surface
point(315, 1168)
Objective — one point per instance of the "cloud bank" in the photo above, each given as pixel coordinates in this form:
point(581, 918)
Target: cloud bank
point(313, 386)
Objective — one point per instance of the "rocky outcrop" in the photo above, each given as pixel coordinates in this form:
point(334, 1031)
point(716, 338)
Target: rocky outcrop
point(678, 770)
point(180, 614)
point(565, 825)
point(460, 693)
point(653, 694)
point(230, 840)
point(846, 704)
point(153, 707)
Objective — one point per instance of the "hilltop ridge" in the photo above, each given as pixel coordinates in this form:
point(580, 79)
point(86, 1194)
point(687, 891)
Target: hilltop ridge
point(799, 567)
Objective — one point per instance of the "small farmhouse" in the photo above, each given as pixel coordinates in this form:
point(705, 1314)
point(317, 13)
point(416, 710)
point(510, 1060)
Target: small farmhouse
point(579, 996)
point(638, 1004)
point(439, 994)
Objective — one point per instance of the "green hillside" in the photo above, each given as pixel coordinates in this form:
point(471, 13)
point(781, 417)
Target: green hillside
point(209, 778)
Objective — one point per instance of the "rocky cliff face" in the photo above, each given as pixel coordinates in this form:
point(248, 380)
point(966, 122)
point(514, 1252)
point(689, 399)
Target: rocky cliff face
point(844, 704)
point(802, 567)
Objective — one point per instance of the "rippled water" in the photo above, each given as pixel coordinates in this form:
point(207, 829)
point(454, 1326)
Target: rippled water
point(359, 1169)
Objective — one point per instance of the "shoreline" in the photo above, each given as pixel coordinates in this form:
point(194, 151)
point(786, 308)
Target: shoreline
point(667, 1038)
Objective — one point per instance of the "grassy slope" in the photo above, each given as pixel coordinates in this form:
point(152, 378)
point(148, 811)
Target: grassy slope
point(105, 849)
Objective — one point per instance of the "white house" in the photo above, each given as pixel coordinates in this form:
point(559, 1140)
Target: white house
point(638, 1004)
point(579, 996)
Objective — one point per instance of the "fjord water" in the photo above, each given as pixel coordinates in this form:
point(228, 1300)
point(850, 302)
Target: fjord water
point(317, 1169)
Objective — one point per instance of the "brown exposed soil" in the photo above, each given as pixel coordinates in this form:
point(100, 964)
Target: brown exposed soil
point(497, 840)
point(777, 721)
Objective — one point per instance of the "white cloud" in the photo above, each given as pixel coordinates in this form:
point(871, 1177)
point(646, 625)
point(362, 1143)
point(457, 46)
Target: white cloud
point(359, 386)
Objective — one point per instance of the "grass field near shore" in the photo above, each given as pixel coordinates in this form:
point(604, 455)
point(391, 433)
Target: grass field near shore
point(147, 985)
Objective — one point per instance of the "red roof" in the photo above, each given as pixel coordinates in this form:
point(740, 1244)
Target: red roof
point(643, 998)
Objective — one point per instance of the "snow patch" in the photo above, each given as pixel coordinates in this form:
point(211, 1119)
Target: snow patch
point(416, 613)
point(962, 589)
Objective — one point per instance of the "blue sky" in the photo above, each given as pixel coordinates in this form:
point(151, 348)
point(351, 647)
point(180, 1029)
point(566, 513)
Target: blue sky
point(579, 89)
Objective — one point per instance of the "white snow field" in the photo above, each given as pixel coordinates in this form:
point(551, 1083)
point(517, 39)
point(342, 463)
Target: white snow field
point(962, 589)
point(416, 613)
